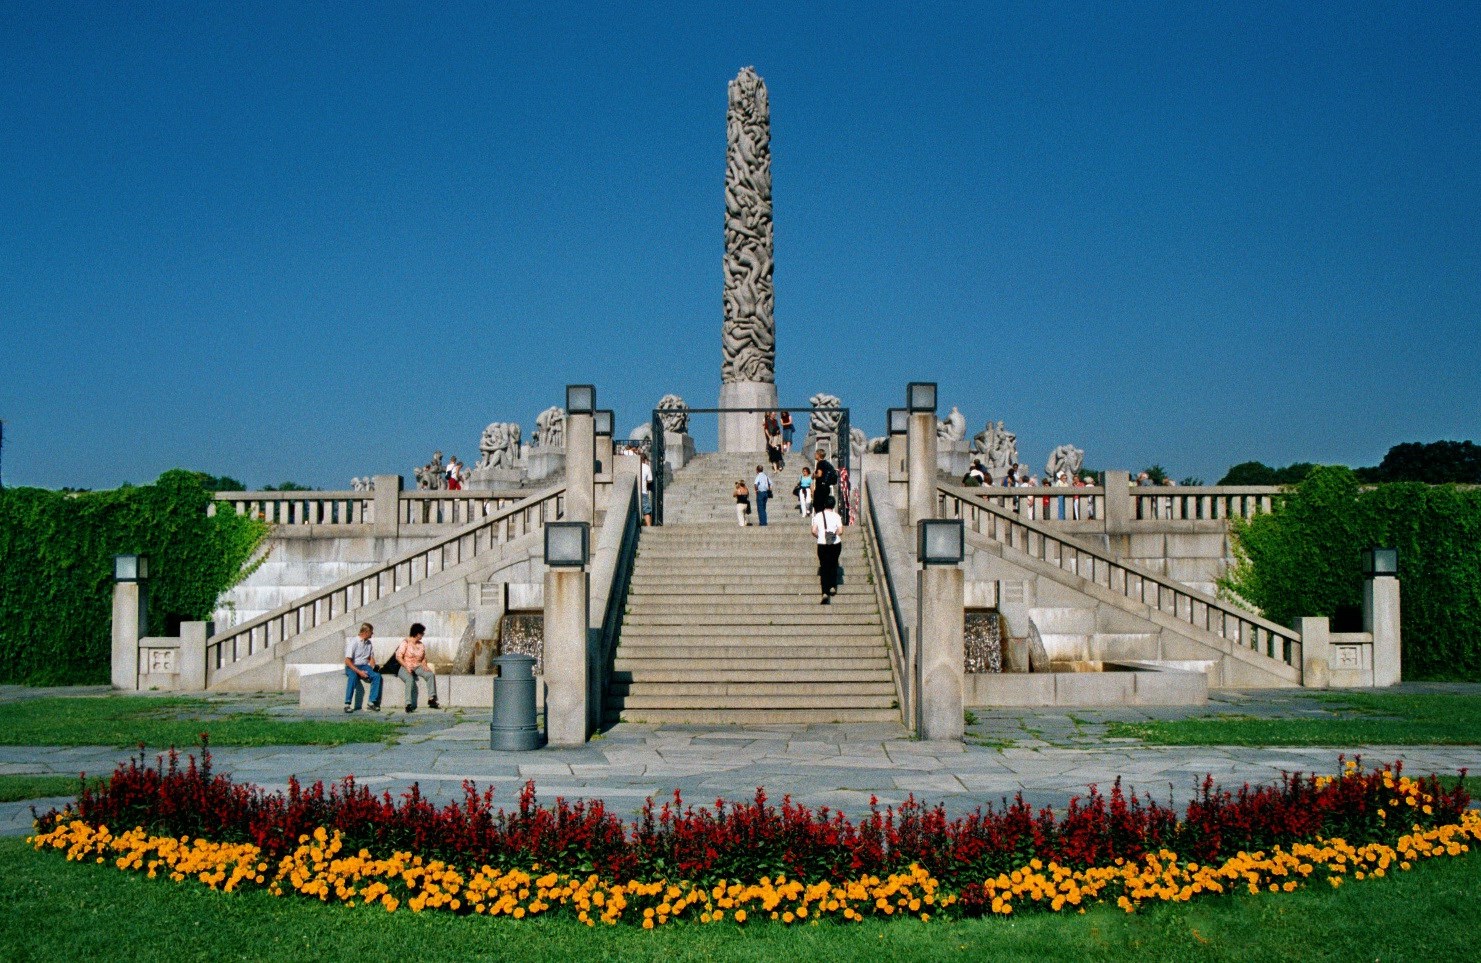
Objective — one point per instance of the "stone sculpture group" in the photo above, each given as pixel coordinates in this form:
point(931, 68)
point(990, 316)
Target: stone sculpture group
point(499, 446)
point(997, 447)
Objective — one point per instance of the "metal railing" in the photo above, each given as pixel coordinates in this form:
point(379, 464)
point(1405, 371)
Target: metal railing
point(347, 595)
point(1197, 609)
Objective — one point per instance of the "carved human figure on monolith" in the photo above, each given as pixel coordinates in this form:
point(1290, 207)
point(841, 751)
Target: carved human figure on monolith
point(748, 332)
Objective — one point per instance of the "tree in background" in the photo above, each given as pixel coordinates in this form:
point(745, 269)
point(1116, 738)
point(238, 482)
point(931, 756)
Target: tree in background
point(1436, 463)
point(1258, 473)
point(1305, 558)
point(287, 486)
point(1156, 473)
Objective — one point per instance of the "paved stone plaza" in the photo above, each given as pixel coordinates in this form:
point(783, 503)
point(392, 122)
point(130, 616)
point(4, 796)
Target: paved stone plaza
point(1048, 755)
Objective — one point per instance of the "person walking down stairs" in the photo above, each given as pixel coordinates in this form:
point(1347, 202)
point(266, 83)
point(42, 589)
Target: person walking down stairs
point(763, 495)
point(827, 528)
point(742, 503)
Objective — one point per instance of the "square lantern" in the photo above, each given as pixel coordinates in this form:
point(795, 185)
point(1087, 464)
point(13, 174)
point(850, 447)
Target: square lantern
point(920, 396)
point(940, 541)
point(567, 544)
point(603, 422)
point(899, 421)
point(581, 399)
point(130, 568)
point(1381, 563)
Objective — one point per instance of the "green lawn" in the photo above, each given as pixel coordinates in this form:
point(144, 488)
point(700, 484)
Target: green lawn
point(170, 721)
point(64, 911)
point(1357, 719)
point(16, 788)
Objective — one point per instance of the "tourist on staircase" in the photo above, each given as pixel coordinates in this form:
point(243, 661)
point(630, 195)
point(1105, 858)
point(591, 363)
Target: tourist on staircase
point(786, 422)
point(824, 477)
point(412, 654)
point(804, 492)
point(827, 528)
point(742, 503)
point(645, 478)
point(763, 495)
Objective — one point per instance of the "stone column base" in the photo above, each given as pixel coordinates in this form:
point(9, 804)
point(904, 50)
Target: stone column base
point(741, 431)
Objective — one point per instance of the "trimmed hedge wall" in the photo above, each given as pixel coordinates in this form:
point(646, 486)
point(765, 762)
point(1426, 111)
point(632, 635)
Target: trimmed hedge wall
point(56, 569)
point(1305, 558)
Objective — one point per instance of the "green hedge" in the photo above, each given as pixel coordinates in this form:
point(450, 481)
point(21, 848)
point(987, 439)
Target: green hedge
point(56, 569)
point(1305, 558)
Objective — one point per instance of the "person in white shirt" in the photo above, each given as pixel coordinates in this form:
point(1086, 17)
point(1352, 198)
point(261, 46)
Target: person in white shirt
point(827, 528)
point(763, 493)
point(645, 485)
point(360, 667)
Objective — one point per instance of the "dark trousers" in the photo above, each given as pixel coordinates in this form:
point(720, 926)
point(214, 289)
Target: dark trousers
point(762, 496)
point(828, 567)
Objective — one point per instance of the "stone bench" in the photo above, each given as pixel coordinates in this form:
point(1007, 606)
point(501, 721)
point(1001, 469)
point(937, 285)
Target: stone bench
point(326, 690)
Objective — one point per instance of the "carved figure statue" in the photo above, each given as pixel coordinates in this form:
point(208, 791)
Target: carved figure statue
point(997, 446)
point(550, 428)
point(363, 483)
point(674, 414)
point(431, 476)
point(953, 427)
point(825, 422)
point(748, 335)
point(499, 446)
point(1065, 458)
point(858, 444)
point(878, 446)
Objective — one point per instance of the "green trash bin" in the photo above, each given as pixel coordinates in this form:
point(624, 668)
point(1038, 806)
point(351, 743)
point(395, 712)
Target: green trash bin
point(513, 725)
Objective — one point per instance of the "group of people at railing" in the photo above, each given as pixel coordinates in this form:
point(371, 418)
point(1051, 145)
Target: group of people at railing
point(1046, 506)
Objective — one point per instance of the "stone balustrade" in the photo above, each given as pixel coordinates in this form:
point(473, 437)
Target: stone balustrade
point(1197, 609)
point(1157, 504)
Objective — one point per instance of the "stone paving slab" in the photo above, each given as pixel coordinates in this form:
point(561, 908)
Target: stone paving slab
point(1050, 757)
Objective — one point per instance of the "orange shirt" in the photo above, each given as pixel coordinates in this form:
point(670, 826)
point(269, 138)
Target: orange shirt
point(412, 654)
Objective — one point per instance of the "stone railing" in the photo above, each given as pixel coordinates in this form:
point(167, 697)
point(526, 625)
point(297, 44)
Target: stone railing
point(1159, 504)
point(300, 508)
point(613, 554)
point(379, 581)
point(327, 511)
point(1197, 609)
point(893, 568)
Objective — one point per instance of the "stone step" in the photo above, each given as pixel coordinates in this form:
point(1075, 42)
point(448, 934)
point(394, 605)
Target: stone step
point(854, 693)
point(803, 675)
point(759, 630)
point(753, 717)
point(781, 700)
point(691, 607)
point(818, 617)
point(849, 651)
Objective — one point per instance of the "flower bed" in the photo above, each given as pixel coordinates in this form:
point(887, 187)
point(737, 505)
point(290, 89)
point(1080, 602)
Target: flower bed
point(748, 860)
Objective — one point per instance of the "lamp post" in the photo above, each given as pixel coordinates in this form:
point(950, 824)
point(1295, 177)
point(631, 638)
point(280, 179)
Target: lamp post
point(897, 425)
point(130, 616)
point(602, 425)
point(581, 401)
point(920, 406)
point(1381, 613)
point(940, 595)
point(567, 602)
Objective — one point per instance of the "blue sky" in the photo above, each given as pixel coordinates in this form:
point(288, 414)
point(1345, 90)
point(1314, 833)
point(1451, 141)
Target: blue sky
point(311, 241)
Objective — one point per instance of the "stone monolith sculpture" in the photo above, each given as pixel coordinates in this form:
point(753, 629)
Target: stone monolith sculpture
point(748, 333)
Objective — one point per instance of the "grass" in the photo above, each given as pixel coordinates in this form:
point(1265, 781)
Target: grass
point(169, 721)
point(65, 911)
point(1357, 719)
point(16, 788)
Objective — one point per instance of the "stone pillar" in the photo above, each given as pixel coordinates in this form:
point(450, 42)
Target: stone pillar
point(387, 504)
point(604, 457)
point(192, 667)
point(580, 468)
point(566, 614)
point(1316, 652)
point(1118, 513)
point(940, 595)
point(129, 601)
point(748, 331)
point(899, 471)
point(1381, 617)
point(921, 465)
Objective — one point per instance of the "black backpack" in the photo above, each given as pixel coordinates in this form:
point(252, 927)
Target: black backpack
point(828, 473)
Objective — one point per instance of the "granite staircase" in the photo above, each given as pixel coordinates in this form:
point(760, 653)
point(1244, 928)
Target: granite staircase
point(724, 624)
